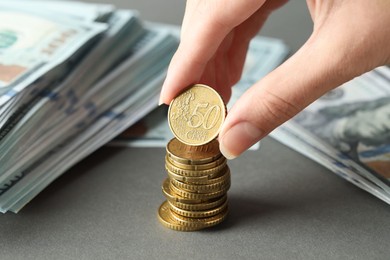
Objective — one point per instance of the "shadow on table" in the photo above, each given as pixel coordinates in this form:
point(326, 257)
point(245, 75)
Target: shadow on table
point(245, 210)
point(302, 204)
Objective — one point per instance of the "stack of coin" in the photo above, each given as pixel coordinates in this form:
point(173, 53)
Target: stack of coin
point(198, 177)
point(196, 187)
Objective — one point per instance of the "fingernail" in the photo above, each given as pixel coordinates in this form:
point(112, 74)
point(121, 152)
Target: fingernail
point(238, 139)
point(226, 152)
point(160, 102)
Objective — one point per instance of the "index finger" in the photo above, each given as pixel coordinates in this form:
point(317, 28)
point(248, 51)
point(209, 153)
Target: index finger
point(206, 25)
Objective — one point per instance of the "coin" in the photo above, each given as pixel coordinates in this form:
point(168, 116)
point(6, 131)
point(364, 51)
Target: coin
point(199, 196)
point(196, 115)
point(197, 167)
point(200, 189)
point(188, 154)
point(204, 187)
point(198, 180)
point(194, 173)
point(209, 204)
point(165, 217)
point(198, 213)
point(201, 180)
point(170, 195)
point(200, 222)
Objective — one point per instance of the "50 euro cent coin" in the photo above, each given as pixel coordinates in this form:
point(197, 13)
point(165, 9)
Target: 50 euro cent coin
point(196, 115)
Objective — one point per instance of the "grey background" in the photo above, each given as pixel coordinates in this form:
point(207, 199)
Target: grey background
point(282, 205)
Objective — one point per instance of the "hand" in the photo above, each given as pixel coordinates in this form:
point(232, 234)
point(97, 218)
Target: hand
point(349, 37)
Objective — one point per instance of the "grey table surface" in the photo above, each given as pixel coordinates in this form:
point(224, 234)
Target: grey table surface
point(282, 205)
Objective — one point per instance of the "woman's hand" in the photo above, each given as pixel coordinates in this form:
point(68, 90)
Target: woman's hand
point(349, 37)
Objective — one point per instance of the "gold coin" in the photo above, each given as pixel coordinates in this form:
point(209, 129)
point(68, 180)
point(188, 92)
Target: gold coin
point(200, 189)
point(221, 176)
point(188, 154)
point(209, 204)
point(172, 196)
point(199, 196)
point(198, 213)
point(194, 173)
point(204, 187)
point(196, 115)
point(165, 217)
point(200, 222)
point(197, 167)
point(202, 179)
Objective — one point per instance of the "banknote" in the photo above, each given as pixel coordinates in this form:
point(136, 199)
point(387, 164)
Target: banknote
point(72, 9)
point(116, 100)
point(72, 76)
point(293, 138)
point(109, 124)
point(351, 126)
point(107, 93)
point(123, 28)
point(29, 55)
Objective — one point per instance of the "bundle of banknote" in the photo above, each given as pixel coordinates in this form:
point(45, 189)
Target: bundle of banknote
point(348, 131)
point(72, 77)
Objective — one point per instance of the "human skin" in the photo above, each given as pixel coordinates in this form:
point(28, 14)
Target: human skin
point(349, 37)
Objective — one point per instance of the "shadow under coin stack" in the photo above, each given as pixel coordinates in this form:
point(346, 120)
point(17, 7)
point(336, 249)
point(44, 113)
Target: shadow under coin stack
point(196, 187)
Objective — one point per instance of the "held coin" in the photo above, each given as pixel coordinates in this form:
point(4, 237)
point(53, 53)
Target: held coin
point(196, 115)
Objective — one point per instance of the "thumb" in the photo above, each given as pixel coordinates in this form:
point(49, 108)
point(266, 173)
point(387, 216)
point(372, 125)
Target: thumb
point(319, 66)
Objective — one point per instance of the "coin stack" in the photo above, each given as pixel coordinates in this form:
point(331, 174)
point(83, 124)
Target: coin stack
point(198, 177)
point(196, 188)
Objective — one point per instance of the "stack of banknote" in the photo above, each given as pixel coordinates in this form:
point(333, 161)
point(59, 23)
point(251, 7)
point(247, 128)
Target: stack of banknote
point(348, 131)
point(72, 77)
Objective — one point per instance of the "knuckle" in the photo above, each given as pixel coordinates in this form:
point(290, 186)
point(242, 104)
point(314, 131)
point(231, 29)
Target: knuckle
point(276, 110)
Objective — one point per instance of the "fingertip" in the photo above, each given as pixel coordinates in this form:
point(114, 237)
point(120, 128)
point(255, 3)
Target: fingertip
point(160, 102)
point(162, 96)
point(239, 138)
point(225, 152)
point(168, 90)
